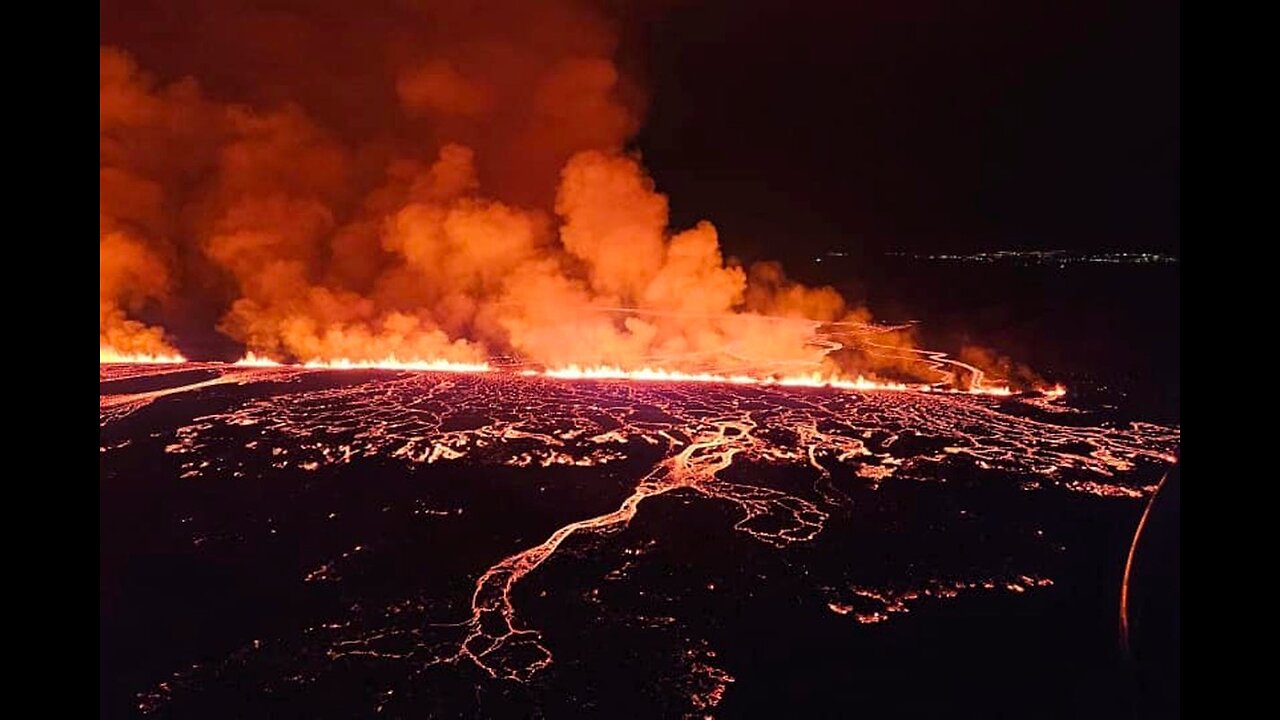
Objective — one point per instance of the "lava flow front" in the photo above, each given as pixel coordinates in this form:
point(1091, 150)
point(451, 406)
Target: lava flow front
point(107, 355)
point(432, 531)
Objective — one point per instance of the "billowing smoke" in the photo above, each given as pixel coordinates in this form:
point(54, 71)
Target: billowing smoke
point(1000, 366)
point(471, 198)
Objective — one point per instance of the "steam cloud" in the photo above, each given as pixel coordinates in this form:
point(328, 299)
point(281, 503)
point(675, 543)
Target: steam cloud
point(469, 197)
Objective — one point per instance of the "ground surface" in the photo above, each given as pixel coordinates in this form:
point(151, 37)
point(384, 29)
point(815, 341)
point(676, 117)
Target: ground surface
point(288, 543)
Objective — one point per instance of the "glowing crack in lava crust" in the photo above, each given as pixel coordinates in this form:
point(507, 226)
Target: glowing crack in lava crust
point(776, 465)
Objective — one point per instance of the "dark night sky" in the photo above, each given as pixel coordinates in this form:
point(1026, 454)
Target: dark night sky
point(869, 125)
point(917, 125)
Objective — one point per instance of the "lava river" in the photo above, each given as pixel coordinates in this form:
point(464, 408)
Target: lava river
point(782, 464)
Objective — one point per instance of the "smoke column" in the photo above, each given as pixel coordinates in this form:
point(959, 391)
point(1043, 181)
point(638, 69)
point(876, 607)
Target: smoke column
point(419, 180)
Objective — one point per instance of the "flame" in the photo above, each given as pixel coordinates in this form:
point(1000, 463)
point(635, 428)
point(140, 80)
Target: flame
point(644, 374)
point(391, 362)
point(647, 374)
point(252, 359)
point(813, 380)
point(999, 390)
point(111, 355)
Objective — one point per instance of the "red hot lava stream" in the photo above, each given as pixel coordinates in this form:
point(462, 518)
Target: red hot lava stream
point(701, 431)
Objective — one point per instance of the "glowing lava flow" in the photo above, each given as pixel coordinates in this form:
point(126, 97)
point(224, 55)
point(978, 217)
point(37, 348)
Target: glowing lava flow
point(875, 605)
point(494, 637)
point(948, 368)
point(784, 461)
point(610, 372)
point(646, 374)
point(1128, 566)
point(391, 362)
point(114, 407)
point(252, 359)
point(809, 380)
point(108, 355)
point(954, 376)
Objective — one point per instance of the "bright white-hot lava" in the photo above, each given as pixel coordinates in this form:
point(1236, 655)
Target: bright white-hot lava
point(252, 359)
point(393, 363)
point(645, 374)
point(945, 374)
point(390, 362)
point(607, 372)
point(937, 363)
point(109, 355)
point(808, 380)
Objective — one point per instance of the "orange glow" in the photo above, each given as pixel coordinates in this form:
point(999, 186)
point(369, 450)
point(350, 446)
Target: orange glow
point(644, 374)
point(985, 390)
point(391, 362)
point(700, 437)
point(110, 355)
point(1128, 564)
point(252, 359)
point(564, 258)
point(647, 374)
point(813, 379)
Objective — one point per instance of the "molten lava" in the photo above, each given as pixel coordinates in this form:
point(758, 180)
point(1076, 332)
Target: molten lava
point(701, 437)
point(108, 355)
point(390, 362)
point(252, 359)
point(809, 380)
point(605, 372)
point(599, 372)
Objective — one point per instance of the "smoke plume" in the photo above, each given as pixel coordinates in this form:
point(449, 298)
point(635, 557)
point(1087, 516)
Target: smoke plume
point(429, 180)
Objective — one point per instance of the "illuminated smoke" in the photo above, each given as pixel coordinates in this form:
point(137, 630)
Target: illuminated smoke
point(132, 270)
point(1000, 366)
point(471, 198)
